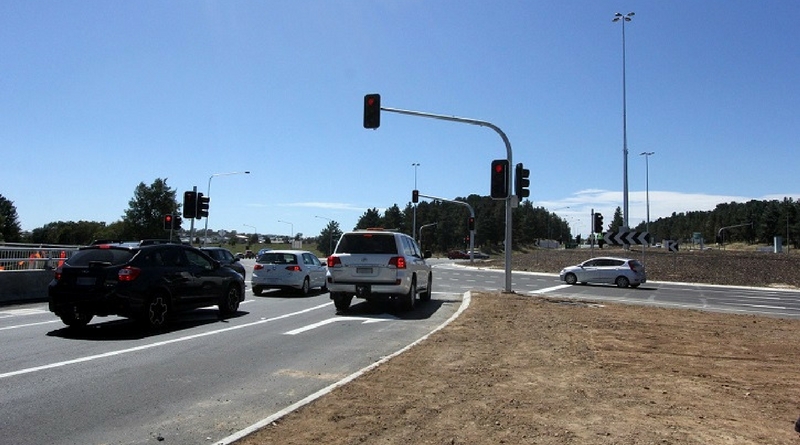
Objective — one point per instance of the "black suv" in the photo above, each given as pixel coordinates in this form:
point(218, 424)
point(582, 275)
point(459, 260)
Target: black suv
point(225, 257)
point(144, 282)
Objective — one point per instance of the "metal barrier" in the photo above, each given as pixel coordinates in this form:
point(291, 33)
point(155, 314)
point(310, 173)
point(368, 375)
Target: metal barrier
point(33, 257)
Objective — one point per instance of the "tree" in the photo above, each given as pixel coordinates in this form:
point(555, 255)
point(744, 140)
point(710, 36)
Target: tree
point(370, 218)
point(617, 221)
point(144, 217)
point(328, 237)
point(10, 230)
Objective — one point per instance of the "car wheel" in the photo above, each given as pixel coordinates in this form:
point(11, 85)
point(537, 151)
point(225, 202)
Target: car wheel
point(570, 278)
point(341, 301)
point(426, 296)
point(75, 318)
point(306, 287)
point(408, 301)
point(622, 282)
point(257, 290)
point(156, 311)
point(229, 302)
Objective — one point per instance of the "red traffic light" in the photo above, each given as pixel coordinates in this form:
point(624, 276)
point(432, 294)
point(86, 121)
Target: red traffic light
point(372, 111)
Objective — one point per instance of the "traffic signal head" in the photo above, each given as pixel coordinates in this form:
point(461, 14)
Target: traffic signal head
point(176, 222)
point(372, 111)
point(415, 196)
point(598, 223)
point(202, 206)
point(521, 182)
point(500, 175)
point(167, 222)
point(471, 223)
point(189, 204)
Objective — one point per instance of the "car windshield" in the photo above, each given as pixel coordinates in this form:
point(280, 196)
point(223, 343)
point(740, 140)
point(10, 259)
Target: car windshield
point(277, 258)
point(367, 243)
point(111, 257)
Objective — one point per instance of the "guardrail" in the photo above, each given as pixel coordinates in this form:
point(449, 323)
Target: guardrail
point(33, 257)
point(26, 270)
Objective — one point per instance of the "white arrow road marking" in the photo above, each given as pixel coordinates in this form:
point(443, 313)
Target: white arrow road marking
point(364, 320)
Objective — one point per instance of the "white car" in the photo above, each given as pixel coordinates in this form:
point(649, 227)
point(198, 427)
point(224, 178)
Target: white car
point(288, 269)
point(623, 272)
point(378, 265)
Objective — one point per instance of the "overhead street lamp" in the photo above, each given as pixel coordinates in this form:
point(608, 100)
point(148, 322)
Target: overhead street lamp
point(208, 194)
point(647, 155)
point(618, 17)
point(330, 234)
point(291, 227)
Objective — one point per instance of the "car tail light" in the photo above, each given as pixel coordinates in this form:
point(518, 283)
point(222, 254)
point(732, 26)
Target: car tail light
point(58, 274)
point(294, 268)
point(333, 261)
point(398, 262)
point(258, 267)
point(128, 273)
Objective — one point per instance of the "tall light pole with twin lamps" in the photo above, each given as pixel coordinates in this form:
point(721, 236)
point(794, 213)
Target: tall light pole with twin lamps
point(618, 17)
point(208, 194)
point(647, 155)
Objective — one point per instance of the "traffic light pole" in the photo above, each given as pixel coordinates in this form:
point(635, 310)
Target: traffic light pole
point(510, 162)
point(191, 229)
point(471, 214)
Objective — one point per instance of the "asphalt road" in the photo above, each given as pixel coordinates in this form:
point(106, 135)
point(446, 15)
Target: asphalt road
point(206, 379)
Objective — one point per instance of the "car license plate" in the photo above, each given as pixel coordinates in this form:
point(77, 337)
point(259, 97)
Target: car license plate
point(363, 270)
point(86, 281)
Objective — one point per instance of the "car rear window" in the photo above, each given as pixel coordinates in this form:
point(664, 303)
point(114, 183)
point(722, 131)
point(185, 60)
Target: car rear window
point(112, 257)
point(367, 243)
point(277, 258)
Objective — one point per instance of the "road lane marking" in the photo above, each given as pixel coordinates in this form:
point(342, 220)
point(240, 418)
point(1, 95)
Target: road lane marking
point(29, 324)
point(550, 289)
point(363, 320)
point(155, 345)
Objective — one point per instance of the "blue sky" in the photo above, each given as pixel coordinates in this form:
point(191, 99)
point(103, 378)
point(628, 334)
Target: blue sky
point(98, 96)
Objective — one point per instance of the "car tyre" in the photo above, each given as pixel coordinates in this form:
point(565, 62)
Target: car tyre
point(229, 302)
point(408, 301)
point(426, 296)
point(341, 301)
point(570, 278)
point(257, 290)
point(306, 288)
point(75, 318)
point(622, 282)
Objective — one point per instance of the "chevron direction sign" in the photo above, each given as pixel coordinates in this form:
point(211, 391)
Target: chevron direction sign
point(623, 238)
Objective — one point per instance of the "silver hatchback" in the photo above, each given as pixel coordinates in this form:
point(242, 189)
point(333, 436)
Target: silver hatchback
point(623, 272)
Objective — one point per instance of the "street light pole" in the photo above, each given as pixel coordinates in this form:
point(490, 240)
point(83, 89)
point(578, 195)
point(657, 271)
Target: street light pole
point(330, 234)
point(618, 17)
point(291, 228)
point(208, 194)
point(647, 155)
point(414, 221)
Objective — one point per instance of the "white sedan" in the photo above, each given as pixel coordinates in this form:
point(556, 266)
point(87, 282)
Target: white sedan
point(298, 270)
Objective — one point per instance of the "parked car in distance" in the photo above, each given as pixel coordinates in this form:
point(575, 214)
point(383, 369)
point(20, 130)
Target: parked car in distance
point(457, 255)
point(149, 283)
point(478, 255)
point(620, 271)
point(378, 265)
point(298, 270)
point(226, 258)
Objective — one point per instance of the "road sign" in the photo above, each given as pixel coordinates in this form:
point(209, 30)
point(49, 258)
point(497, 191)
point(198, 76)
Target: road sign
point(627, 238)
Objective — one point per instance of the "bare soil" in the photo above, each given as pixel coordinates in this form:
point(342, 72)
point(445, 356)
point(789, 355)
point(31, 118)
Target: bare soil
point(528, 370)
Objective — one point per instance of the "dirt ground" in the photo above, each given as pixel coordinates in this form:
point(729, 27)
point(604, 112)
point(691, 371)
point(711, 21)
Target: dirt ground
point(528, 370)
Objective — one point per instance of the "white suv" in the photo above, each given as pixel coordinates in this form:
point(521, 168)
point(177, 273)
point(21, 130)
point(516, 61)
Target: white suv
point(378, 265)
